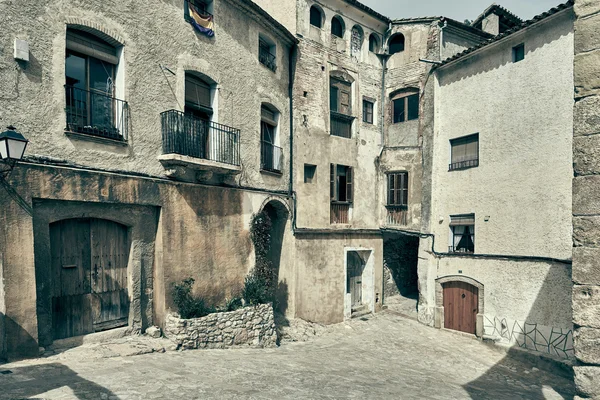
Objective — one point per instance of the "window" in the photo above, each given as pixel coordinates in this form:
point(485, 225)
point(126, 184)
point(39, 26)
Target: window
point(310, 173)
point(373, 43)
point(341, 183)
point(368, 111)
point(316, 17)
point(396, 44)
point(271, 155)
point(462, 228)
point(90, 72)
point(518, 52)
point(266, 53)
point(198, 99)
point(406, 106)
point(340, 105)
point(464, 152)
point(199, 14)
point(337, 27)
point(397, 189)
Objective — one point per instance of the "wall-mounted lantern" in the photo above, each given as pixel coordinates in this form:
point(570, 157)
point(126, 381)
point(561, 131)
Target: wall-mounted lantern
point(12, 147)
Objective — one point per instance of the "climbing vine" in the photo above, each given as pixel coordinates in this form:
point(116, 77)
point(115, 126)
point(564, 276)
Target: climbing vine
point(259, 286)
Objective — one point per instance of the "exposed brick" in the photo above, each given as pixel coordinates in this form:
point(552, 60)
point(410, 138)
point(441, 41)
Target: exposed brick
point(586, 306)
point(586, 266)
point(587, 345)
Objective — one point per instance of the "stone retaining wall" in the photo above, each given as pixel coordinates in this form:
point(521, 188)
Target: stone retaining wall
point(250, 326)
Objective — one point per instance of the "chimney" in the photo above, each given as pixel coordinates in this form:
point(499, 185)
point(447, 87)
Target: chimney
point(491, 24)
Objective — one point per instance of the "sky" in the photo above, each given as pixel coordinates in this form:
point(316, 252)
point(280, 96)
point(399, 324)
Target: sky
point(457, 9)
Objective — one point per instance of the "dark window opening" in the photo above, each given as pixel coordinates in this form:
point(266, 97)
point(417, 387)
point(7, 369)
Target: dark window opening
point(464, 152)
point(310, 173)
point(337, 27)
point(341, 183)
point(271, 155)
point(316, 17)
point(397, 189)
point(198, 102)
point(266, 54)
point(396, 44)
point(406, 107)
point(518, 52)
point(367, 111)
point(463, 233)
point(373, 43)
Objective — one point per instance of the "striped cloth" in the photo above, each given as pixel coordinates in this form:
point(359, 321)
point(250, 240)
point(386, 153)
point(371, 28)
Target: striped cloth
point(203, 23)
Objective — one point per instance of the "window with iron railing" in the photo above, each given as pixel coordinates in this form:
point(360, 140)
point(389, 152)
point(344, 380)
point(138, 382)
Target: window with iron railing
point(397, 203)
point(462, 228)
point(464, 152)
point(266, 54)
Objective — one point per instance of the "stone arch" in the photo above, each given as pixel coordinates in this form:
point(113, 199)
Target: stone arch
point(342, 76)
point(373, 43)
point(396, 43)
point(317, 11)
point(338, 26)
point(97, 29)
point(356, 39)
point(439, 300)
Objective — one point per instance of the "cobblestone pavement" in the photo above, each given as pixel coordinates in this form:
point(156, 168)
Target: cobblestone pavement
point(383, 357)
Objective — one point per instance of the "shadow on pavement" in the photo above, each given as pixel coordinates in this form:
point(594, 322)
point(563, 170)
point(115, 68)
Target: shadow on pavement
point(31, 381)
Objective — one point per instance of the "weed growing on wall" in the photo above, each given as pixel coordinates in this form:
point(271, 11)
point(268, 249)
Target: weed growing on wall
point(259, 286)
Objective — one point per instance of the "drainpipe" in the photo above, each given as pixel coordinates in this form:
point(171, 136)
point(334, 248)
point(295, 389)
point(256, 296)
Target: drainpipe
point(292, 56)
point(384, 56)
point(442, 38)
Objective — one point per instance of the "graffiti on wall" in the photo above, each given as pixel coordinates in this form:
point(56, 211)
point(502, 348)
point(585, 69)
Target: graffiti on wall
point(531, 336)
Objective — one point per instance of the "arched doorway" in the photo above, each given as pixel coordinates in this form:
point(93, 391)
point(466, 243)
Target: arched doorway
point(459, 304)
point(89, 260)
point(278, 215)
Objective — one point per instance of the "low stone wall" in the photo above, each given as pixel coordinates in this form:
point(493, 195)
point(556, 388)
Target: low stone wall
point(249, 326)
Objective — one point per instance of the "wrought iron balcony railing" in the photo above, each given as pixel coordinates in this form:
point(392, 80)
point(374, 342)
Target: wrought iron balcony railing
point(266, 57)
point(464, 164)
point(96, 113)
point(452, 249)
point(271, 157)
point(191, 136)
point(341, 124)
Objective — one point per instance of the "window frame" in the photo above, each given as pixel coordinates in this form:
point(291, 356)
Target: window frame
point(334, 184)
point(397, 35)
point(518, 53)
point(462, 221)
point(467, 163)
point(310, 16)
point(342, 25)
point(373, 48)
point(397, 197)
point(404, 98)
point(267, 52)
point(313, 178)
point(366, 113)
point(202, 111)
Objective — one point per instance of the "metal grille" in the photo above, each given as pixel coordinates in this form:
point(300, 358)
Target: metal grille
point(195, 137)
point(265, 56)
point(397, 216)
point(339, 213)
point(341, 125)
point(271, 157)
point(96, 114)
point(463, 164)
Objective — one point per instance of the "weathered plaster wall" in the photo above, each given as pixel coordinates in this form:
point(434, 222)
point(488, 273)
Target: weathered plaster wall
point(152, 33)
point(201, 232)
point(586, 208)
point(284, 11)
point(321, 275)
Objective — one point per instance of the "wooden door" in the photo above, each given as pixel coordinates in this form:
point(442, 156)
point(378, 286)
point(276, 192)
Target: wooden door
point(89, 276)
point(461, 305)
point(354, 282)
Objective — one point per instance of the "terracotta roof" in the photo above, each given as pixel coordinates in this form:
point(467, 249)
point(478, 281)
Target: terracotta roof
point(509, 32)
point(508, 19)
point(450, 21)
point(368, 10)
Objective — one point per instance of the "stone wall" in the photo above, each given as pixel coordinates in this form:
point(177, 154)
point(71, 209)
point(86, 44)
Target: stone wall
point(250, 326)
point(586, 207)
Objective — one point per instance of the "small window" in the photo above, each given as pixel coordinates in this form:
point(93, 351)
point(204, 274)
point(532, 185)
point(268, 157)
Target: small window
point(367, 111)
point(316, 17)
point(406, 106)
point(270, 155)
point(198, 99)
point(373, 43)
point(199, 14)
point(341, 183)
point(396, 44)
point(518, 52)
point(310, 173)
point(337, 27)
point(340, 105)
point(266, 53)
point(398, 189)
point(464, 152)
point(462, 228)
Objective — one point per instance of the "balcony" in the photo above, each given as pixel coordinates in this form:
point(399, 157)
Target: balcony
point(271, 157)
point(96, 114)
point(340, 213)
point(341, 125)
point(396, 215)
point(199, 144)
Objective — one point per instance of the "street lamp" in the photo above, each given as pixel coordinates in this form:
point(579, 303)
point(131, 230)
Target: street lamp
point(12, 145)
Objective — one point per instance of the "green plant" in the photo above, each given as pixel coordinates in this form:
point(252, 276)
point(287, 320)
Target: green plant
point(259, 286)
point(256, 290)
point(233, 304)
point(188, 305)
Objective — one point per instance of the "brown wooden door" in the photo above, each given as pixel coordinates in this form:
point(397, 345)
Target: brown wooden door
point(89, 276)
point(461, 305)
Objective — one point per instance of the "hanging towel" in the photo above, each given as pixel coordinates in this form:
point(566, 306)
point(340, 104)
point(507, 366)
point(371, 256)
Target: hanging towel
point(202, 23)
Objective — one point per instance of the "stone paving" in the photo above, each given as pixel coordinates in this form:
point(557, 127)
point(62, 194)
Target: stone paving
point(382, 357)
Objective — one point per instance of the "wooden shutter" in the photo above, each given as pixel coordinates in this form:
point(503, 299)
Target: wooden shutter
point(344, 106)
point(332, 168)
point(349, 184)
point(333, 99)
point(404, 186)
point(391, 187)
point(197, 92)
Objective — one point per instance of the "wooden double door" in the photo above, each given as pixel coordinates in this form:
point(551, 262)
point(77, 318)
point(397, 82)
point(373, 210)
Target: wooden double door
point(461, 306)
point(89, 276)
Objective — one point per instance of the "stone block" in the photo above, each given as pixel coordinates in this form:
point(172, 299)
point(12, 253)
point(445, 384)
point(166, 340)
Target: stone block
point(586, 231)
point(586, 265)
point(587, 116)
point(587, 381)
point(586, 155)
point(586, 195)
point(154, 332)
point(584, 8)
point(586, 306)
point(587, 345)
point(587, 73)
point(587, 34)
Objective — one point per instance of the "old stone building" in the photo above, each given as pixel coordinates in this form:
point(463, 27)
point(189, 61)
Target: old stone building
point(420, 157)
